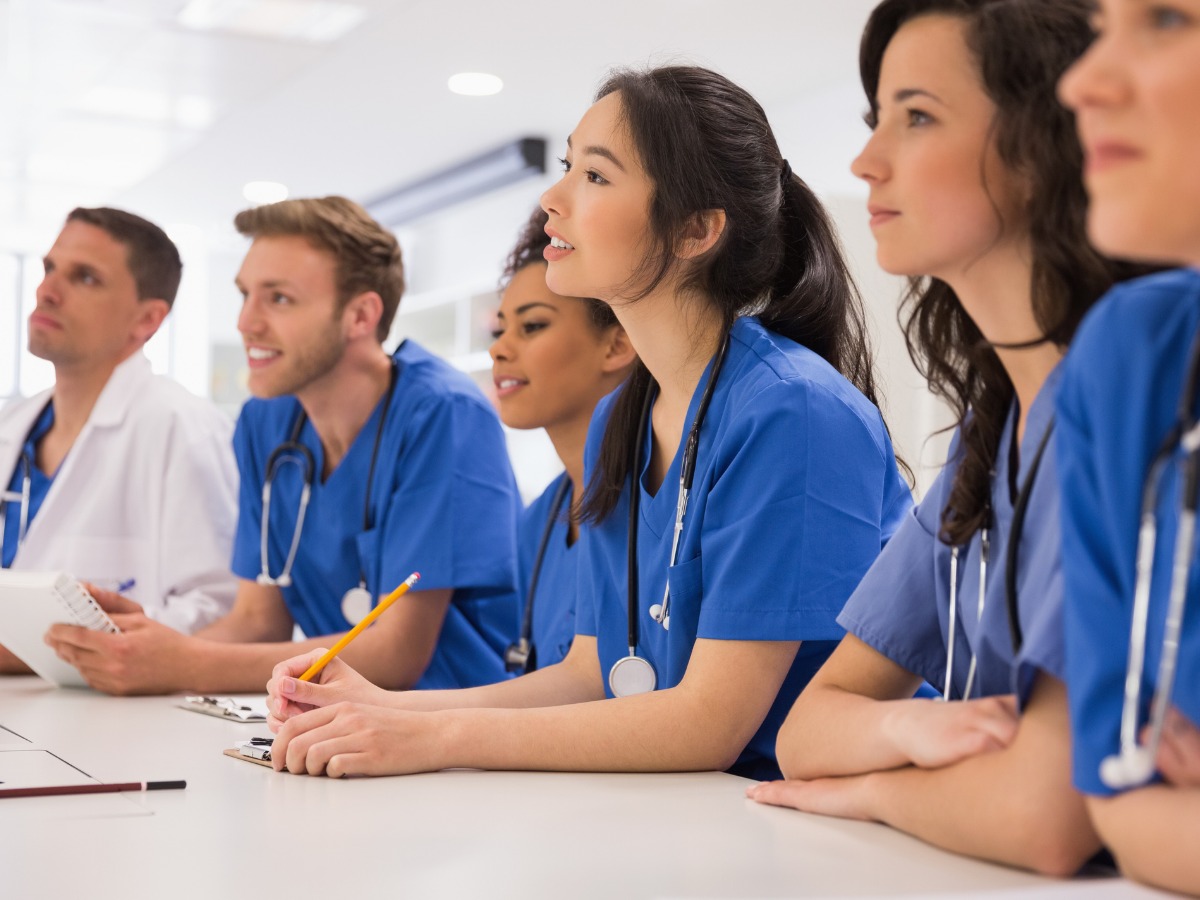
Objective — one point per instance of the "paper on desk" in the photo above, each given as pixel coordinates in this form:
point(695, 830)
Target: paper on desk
point(41, 768)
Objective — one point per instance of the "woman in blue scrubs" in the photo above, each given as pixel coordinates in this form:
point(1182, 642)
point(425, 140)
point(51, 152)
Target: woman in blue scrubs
point(1136, 96)
point(677, 209)
point(553, 359)
point(976, 195)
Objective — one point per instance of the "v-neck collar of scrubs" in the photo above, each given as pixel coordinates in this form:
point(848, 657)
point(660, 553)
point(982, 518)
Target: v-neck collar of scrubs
point(365, 436)
point(658, 509)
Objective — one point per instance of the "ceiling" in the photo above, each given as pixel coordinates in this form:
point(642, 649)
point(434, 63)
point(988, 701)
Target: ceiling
point(120, 102)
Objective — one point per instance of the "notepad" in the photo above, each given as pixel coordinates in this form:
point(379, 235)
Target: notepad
point(30, 602)
point(237, 710)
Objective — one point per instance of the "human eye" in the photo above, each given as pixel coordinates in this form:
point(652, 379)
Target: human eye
point(87, 276)
point(595, 177)
point(532, 327)
point(918, 117)
point(497, 332)
point(1163, 17)
point(279, 299)
point(871, 118)
point(564, 163)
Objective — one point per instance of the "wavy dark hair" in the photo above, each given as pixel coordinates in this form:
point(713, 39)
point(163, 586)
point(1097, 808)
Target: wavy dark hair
point(528, 252)
point(1021, 47)
point(705, 144)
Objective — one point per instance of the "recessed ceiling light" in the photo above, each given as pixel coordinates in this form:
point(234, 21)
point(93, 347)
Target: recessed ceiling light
point(262, 192)
point(475, 84)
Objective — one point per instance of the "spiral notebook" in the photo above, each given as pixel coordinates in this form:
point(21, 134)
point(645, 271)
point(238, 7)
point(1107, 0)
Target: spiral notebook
point(30, 602)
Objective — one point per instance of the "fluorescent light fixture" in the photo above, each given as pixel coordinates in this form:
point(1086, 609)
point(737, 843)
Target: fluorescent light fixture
point(475, 84)
point(262, 192)
point(473, 178)
point(313, 21)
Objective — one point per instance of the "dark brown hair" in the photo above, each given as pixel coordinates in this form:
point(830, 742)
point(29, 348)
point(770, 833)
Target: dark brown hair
point(1021, 48)
point(367, 254)
point(705, 144)
point(152, 257)
point(528, 252)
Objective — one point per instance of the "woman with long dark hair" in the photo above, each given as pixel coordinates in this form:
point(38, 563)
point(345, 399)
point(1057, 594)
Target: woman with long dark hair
point(739, 484)
point(553, 359)
point(976, 195)
point(1127, 446)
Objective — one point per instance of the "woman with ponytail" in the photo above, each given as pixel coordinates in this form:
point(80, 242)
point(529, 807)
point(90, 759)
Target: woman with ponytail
point(738, 485)
point(976, 194)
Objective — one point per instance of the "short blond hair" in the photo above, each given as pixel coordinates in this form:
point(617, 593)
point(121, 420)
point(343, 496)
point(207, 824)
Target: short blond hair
point(367, 254)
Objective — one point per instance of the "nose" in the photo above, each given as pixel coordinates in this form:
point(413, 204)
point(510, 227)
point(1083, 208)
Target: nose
point(871, 164)
point(249, 317)
point(48, 289)
point(500, 349)
point(1092, 80)
point(554, 198)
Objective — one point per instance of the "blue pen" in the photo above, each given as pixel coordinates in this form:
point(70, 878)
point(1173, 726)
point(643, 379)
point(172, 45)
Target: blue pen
point(126, 585)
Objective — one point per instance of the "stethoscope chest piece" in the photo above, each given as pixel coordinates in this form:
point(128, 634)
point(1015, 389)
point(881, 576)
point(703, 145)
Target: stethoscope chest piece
point(356, 604)
point(631, 675)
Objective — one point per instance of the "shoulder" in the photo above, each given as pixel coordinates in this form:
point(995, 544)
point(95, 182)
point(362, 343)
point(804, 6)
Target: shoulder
point(774, 376)
point(267, 419)
point(425, 378)
point(1140, 314)
point(164, 403)
point(534, 516)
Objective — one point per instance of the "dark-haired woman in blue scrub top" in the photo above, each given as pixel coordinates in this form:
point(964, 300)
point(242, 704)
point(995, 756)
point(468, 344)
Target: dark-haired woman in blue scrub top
point(753, 388)
point(1130, 382)
point(553, 359)
point(976, 195)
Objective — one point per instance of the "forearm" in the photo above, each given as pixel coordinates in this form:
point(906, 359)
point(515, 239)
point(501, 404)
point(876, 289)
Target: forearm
point(665, 731)
point(993, 806)
point(831, 731)
point(1153, 832)
point(558, 685)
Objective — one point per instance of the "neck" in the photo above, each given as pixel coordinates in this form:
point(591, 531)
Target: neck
point(569, 439)
point(76, 390)
point(675, 337)
point(997, 295)
point(339, 403)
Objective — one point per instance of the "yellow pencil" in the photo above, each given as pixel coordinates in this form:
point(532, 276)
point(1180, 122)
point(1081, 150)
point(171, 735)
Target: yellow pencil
point(357, 629)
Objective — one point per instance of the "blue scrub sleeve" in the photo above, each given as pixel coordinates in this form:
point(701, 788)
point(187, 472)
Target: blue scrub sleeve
point(792, 517)
point(247, 543)
point(453, 510)
point(893, 610)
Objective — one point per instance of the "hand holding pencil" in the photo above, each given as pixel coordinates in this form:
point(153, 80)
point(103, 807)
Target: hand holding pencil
point(319, 678)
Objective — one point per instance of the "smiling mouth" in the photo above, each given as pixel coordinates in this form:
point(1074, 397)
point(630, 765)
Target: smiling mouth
point(261, 356)
point(506, 386)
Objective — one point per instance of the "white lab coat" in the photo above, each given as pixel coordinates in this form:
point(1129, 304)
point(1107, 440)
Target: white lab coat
point(147, 492)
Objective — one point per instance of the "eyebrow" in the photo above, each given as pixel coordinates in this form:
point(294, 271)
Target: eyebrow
point(909, 93)
point(525, 307)
point(277, 283)
point(597, 150)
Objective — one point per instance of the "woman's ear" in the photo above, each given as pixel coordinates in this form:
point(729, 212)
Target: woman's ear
point(701, 233)
point(619, 353)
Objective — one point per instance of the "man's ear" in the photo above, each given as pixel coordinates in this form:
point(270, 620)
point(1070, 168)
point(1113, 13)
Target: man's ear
point(150, 316)
point(619, 353)
point(362, 313)
point(701, 233)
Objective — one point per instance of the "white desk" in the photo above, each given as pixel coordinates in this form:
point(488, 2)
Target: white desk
point(240, 830)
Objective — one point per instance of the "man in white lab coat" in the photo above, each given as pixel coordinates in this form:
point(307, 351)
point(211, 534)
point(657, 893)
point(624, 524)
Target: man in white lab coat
point(117, 475)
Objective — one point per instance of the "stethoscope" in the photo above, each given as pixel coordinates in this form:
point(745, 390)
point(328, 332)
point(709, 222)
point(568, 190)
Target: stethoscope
point(25, 461)
point(1012, 558)
point(522, 656)
point(356, 602)
point(1135, 764)
point(634, 674)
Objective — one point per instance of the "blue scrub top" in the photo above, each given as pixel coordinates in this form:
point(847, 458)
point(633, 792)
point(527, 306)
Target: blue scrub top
point(796, 490)
point(902, 606)
point(1120, 394)
point(39, 487)
point(443, 502)
point(554, 605)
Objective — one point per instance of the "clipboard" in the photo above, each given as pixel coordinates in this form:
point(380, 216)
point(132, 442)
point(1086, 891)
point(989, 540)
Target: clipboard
point(228, 708)
point(260, 758)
